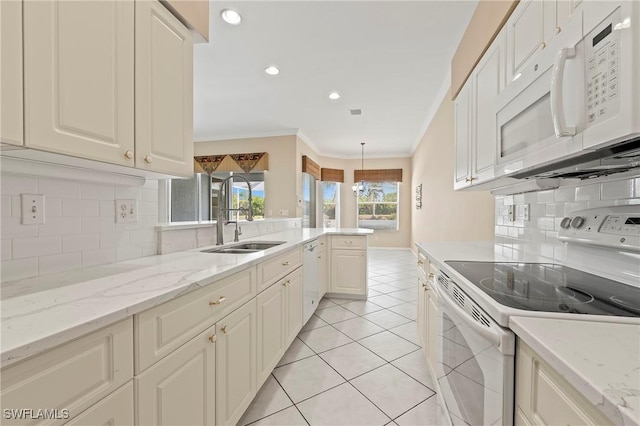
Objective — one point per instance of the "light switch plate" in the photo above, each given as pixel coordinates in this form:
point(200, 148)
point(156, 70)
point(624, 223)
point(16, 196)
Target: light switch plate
point(32, 209)
point(126, 211)
point(512, 213)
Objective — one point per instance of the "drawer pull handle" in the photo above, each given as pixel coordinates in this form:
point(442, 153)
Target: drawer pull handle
point(321, 244)
point(286, 283)
point(420, 262)
point(285, 263)
point(224, 329)
point(348, 242)
point(213, 338)
point(219, 301)
point(431, 275)
point(128, 154)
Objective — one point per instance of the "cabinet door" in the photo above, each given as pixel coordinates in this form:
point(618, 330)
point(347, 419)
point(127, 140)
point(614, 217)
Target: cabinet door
point(294, 305)
point(525, 35)
point(164, 91)
point(463, 136)
point(180, 389)
point(488, 81)
point(235, 363)
point(271, 311)
point(432, 329)
point(79, 70)
point(323, 272)
point(114, 410)
point(422, 313)
point(11, 125)
point(348, 272)
point(557, 14)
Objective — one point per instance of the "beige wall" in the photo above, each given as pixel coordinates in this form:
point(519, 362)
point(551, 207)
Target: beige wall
point(446, 215)
point(280, 181)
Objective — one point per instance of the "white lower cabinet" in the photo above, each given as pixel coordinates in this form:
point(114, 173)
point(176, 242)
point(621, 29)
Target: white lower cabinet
point(323, 268)
point(72, 376)
point(235, 363)
point(293, 284)
point(544, 397)
point(180, 389)
point(114, 410)
point(348, 272)
point(271, 310)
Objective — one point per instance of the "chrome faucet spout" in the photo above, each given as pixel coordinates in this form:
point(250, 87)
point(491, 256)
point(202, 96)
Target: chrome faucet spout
point(223, 208)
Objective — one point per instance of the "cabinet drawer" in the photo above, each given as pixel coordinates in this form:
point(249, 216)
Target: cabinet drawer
point(348, 242)
point(162, 329)
point(72, 376)
point(274, 269)
point(114, 410)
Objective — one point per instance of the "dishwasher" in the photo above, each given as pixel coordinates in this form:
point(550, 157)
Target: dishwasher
point(310, 280)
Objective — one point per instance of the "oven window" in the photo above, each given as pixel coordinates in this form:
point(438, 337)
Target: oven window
point(532, 125)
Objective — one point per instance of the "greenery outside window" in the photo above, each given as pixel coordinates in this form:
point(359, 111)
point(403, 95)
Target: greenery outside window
point(196, 200)
point(378, 206)
point(331, 204)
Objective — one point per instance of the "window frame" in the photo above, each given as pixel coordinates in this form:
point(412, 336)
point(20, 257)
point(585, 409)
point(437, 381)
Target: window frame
point(397, 204)
point(336, 204)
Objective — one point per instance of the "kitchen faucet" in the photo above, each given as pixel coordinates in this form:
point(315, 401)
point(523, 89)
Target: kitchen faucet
point(222, 209)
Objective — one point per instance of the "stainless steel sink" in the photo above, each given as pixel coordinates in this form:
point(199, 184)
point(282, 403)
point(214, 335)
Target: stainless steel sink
point(245, 248)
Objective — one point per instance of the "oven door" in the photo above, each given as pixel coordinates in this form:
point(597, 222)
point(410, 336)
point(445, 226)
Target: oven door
point(475, 362)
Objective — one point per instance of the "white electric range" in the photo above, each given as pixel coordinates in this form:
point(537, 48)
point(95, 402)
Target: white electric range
point(600, 277)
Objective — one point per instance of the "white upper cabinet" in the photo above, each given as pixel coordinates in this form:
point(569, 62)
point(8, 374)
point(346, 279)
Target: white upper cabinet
point(488, 81)
point(164, 91)
point(462, 111)
point(78, 78)
point(525, 35)
point(11, 126)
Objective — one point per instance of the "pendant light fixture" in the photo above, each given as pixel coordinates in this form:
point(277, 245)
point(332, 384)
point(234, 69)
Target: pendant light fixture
point(358, 188)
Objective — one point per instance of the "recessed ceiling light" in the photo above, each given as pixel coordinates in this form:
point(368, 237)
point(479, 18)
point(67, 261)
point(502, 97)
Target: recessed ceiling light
point(230, 16)
point(334, 95)
point(272, 70)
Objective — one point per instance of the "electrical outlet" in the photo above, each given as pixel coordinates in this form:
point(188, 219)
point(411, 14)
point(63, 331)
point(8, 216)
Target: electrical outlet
point(525, 212)
point(269, 227)
point(32, 209)
point(126, 211)
point(512, 213)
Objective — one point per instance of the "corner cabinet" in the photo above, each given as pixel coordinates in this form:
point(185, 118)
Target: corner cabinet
point(78, 78)
point(164, 91)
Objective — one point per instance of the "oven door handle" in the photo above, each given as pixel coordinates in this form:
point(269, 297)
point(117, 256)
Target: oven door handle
point(491, 335)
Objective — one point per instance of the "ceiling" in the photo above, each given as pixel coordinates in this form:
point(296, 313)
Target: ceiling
point(389, 58)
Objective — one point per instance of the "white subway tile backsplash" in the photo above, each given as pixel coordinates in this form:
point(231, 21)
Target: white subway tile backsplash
point(89, 191)
point(58, 188)
point(53, 207)
point(79, 242)
point(547, 209)
point(16, 185)
point(11, 228)
point(98, 257)
point(30, 247)
point(5, 249)
point(5, 206)
point(59, 226)
point(59, 263)
point(79, 229)
point(80, 208)
point(17, 269)
point(618, 189)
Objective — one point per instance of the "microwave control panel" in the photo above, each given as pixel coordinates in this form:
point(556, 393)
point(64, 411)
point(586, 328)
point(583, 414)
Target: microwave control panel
point(602, 57)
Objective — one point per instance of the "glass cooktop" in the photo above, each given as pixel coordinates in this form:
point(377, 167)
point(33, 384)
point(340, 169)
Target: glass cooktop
point(551, 288)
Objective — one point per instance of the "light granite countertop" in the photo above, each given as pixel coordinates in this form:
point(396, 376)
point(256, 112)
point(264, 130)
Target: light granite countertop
point(43, 312)
point(601, 360)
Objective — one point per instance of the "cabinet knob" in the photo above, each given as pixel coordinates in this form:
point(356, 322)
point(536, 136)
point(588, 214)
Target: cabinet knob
point(558, 30)
point(224, 329)
point(348, 242)
point(543, 45)
point(319, 257)
point(128, 154)
point(213, 338)
point(285, 263)
point(148, 159)
point(430, 275)
point(420, 262)
point(219, 301)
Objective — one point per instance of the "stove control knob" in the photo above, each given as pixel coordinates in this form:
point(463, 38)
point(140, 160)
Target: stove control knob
point(577, 222)
point(566, 222)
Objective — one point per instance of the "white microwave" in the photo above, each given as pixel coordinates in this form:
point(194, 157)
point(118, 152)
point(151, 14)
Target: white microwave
point(580, 94)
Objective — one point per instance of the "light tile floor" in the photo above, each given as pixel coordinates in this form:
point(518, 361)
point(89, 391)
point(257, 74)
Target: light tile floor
point(355, 362)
